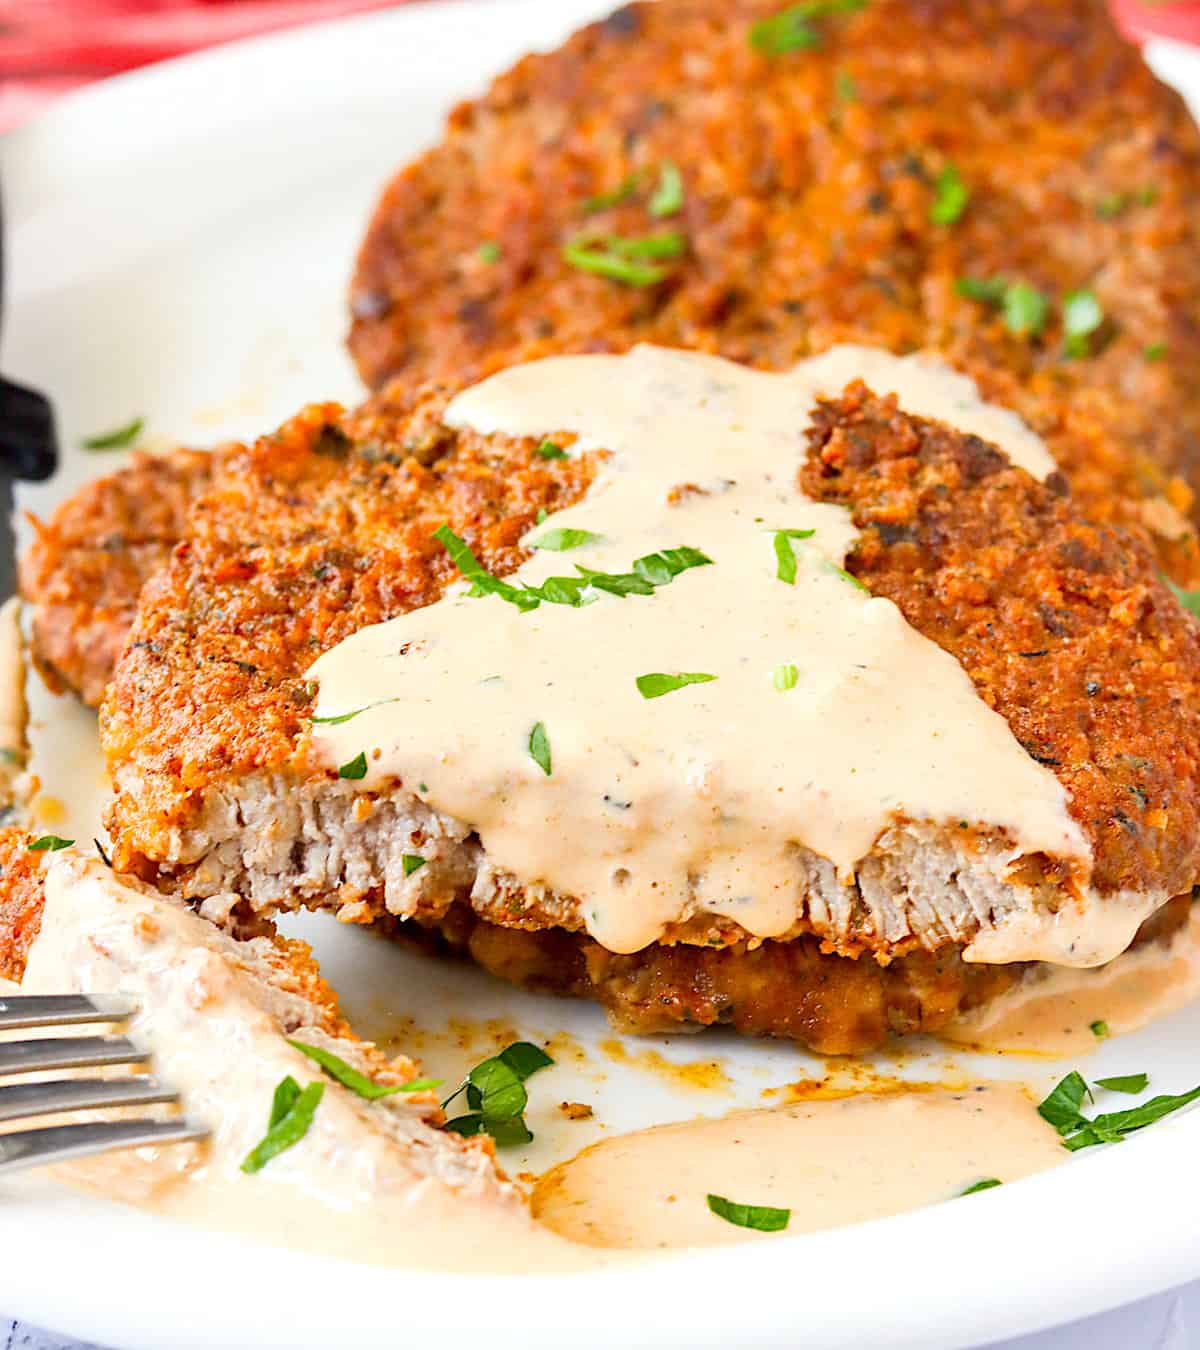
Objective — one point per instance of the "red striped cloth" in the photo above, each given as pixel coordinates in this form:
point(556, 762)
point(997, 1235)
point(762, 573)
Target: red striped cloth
point(48, 47)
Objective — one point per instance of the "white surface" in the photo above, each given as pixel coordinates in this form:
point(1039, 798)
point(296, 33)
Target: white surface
point(180, 244)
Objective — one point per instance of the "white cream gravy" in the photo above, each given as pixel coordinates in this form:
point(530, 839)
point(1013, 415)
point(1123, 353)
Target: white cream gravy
point(828, 1162)
point(1053, 1009)
point(693, 802)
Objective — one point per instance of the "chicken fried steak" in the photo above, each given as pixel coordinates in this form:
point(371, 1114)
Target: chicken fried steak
point(1063, 627)
point(1002, 182)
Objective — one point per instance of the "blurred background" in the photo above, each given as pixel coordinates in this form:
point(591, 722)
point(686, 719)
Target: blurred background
point(49, 47)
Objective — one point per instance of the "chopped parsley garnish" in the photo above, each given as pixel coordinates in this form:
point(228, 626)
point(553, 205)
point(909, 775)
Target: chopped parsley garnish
point(951, 196)
point(668, 195)
point(1063, 1108)
point(1099, 1030)
point(497, 1097)
point(785, 556)
point(348, 716)
point(1155, 351)
point(986, 290)
point(656, 685)
point(845, 87)
point(796, 28)
point(985, 1185)
point(784, 677)
point(560, 540)
point(1190, 600)
point(49, 843)
point(354, 768)
point(359, 1083)
point(1082, 316)
point(117, 439)
point(489, 251)
point(603, 262)
point(1116, 203)
point(412, 862)
point(1133, 1083)
point(292, 1111)
point(539, 747)
point(621, 193)
point(649, 572)
point(1025, 309)
point(548, 450)
point(848, 577)
point(763, 1218)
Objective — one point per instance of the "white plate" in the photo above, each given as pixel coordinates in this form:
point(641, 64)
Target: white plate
point(180, 241)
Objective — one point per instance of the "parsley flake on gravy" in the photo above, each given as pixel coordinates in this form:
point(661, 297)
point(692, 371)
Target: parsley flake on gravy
point(49, 843)
point(560, 540)
point(951, 196)
point(548, 450)
point(411, 862)
point(649, 572)
point(359, 1083)
point(1063, 1109)
point(489, 251)
point(117, 439)
point(349, 716)
point(497, 1097)
point(1099, 1030)
point(785, 556)
point(658, 684)
point(1155, 351)
point(762, 1218)
point(985, 1185)
point(354, 768)
point(668, 195)
point(539, 747)
point(292, 1111)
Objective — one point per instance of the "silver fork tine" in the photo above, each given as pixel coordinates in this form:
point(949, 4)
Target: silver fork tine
point(61, 1143)
point(61, 1010)
point(67, 1052)
point(21, 1100)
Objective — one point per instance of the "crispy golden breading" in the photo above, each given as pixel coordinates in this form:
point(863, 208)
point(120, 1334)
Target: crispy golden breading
point(327, 526)
point(1063, 626)
point(89, 561)
point(817, 194)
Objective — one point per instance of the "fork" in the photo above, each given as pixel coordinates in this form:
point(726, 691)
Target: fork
point(19, 1101)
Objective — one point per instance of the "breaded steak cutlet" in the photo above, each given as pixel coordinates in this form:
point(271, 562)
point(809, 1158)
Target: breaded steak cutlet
point(89, 561)
point(936, 174)
point(1064, 627)
point(963, 176)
